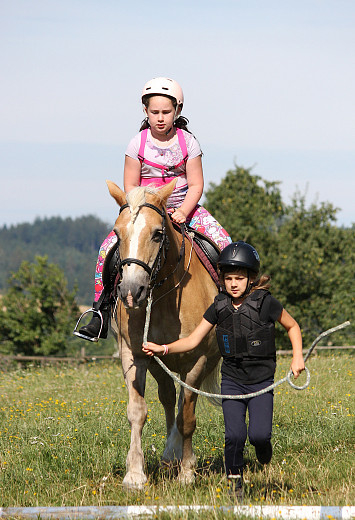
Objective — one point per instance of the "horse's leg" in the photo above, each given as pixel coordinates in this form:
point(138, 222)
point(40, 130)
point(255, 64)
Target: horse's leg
point(167, 397)
point(186, 424)
point(186, 418)
point(135, 370)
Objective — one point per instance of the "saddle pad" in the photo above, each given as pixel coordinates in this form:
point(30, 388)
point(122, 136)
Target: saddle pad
point(207, 251)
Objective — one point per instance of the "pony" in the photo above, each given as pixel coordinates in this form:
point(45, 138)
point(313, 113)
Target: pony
point(155, 259)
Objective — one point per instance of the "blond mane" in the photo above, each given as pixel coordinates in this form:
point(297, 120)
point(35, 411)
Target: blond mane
point(136, 198)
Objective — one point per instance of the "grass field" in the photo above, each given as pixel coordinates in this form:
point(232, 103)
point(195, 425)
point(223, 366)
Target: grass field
point(64, 438)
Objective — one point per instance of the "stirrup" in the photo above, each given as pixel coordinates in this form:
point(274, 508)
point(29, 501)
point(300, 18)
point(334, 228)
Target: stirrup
point(80, 335)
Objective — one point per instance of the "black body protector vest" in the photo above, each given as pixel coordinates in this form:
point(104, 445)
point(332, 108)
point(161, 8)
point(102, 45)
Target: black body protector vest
point(241, 333)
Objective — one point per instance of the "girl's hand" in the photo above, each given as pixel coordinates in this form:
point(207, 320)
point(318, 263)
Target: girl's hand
point(151, 349)
point(297, 366)
point(179, 216)
point(294, 333)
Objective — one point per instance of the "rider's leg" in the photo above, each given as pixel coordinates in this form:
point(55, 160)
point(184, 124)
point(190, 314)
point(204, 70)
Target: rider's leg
point(201, 220)
point(98, 326)
point(102, 295)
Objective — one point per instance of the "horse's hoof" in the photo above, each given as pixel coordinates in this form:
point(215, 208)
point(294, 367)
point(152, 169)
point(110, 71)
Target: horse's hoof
point(170, 461)
point(169, 468)
point(173, 448)
point(134, 481)
point(186, 477)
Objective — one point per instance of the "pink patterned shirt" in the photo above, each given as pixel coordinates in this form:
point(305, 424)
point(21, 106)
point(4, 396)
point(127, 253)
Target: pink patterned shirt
point(166, 156)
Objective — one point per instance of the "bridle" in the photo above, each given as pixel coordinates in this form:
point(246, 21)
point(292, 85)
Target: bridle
point(162, 251)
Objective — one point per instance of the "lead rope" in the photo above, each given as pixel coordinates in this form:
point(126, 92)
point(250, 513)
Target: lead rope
point(242, 396)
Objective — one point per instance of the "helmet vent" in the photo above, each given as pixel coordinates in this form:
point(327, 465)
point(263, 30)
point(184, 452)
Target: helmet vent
point(164, 86)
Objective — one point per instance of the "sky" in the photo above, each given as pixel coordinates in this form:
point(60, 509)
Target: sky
point(268, 85)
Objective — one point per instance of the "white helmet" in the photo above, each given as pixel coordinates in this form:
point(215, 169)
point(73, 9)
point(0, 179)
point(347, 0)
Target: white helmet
point(165, 86)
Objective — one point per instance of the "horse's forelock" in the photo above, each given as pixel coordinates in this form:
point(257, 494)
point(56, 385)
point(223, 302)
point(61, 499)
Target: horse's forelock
point(136, 198)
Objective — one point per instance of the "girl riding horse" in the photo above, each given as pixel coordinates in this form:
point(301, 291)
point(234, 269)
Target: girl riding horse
point(164, 149)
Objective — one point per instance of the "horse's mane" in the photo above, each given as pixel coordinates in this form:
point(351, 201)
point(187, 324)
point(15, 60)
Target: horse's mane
point(136, 198)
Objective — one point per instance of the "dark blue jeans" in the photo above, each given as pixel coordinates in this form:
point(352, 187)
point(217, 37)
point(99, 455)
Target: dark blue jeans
point(260, 411)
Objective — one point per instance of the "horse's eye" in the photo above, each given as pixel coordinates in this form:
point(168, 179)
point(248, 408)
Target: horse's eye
point(158, 235)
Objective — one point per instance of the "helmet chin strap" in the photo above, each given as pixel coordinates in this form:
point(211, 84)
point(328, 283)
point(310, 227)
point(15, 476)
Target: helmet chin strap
point(175, 118)
point(249, 286)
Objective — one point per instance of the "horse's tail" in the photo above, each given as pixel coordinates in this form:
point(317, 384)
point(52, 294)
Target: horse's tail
point(212, 385)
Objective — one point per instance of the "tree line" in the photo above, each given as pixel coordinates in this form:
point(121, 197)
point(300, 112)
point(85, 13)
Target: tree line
point(72, 244)
point(47, 267)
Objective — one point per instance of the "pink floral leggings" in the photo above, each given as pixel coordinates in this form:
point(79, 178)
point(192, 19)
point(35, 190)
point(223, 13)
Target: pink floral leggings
point(201, 220)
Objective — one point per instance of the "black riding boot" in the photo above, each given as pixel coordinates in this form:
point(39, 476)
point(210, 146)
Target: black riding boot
point(98, 326)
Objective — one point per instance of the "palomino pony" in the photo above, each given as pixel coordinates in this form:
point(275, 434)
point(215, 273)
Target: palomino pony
point(149, 250)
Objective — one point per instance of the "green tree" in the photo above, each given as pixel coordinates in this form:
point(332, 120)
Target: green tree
point(38, 311)
point(249, 207)
point(312, 268)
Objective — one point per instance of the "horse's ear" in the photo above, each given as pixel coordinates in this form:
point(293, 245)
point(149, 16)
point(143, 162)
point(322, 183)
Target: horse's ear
point(167, 190)
point(116, 193)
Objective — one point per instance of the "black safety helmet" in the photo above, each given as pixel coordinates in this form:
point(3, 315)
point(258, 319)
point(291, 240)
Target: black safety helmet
point(239, 254)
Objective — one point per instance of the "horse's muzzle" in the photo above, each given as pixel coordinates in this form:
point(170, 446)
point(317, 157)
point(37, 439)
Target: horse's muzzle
point(133, 290)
